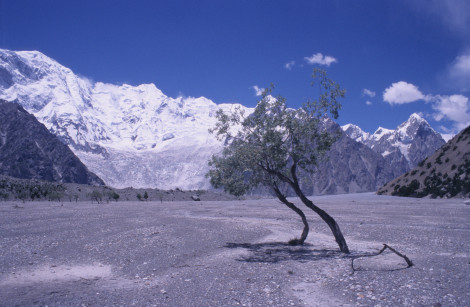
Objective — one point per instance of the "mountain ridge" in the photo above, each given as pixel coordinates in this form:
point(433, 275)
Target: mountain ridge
point(404, 147)
point(137, 136)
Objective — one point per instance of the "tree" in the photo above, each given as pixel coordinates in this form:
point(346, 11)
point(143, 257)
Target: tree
point(115, 196)
point(273, 145)
point(96, 195)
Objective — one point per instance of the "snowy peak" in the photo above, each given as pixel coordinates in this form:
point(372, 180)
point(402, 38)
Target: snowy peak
point(406, 146)
point(355, 133)
point(411, 126)
point(381, 133)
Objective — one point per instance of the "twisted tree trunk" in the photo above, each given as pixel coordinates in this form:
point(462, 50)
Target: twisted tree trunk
point(334, 227)
point(329, 220)
point(290, 205)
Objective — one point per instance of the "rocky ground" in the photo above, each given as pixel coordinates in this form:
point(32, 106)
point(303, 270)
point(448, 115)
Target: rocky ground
point(233, 253)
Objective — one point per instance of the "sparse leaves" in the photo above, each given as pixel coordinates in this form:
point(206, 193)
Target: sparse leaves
point(270, 145)
point(267, 145)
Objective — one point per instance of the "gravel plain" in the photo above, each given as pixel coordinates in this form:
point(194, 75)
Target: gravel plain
point(234, 253)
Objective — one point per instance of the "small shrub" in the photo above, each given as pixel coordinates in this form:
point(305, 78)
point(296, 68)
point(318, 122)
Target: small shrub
point(294, 242)
point(115, 196)
point(408, 190)
point(438, 159)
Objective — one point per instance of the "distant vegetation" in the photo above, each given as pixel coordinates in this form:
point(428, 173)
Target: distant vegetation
point(15, 189)
point(30, 190)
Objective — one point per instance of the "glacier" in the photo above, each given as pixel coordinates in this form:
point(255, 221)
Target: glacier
point(128, 135)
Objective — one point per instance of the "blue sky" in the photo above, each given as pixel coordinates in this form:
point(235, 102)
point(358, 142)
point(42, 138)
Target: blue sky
point(393, 57)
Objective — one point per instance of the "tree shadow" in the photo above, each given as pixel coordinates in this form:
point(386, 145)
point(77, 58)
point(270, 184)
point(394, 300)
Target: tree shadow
point(274, 252)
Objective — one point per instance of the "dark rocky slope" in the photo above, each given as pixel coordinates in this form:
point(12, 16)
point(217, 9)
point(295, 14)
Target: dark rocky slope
point(29, 151)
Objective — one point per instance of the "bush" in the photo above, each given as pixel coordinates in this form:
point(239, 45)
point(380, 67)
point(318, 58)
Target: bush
point(115, 196)
point(408, 190)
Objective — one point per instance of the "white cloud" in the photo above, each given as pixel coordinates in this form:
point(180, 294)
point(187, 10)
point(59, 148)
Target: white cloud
point(402, 92)
point(454, 14)
point(289, 65)
point(462, 64)
point(369, 103)
point(367, 92)
point(258, 90)
point(459, 72)
point(321, 59)
point(455, 108)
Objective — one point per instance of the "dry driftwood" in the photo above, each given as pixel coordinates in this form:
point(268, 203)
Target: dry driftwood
point(386, 246)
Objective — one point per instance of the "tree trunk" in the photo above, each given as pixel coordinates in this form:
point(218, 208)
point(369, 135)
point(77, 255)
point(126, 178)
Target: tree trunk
point(334, 227)
point(330, 221)
point(325, 217)
point(284, 200)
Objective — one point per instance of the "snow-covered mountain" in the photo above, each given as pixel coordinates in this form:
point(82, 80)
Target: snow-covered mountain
point(128, 135)
point(404, 147)
point(137, 136)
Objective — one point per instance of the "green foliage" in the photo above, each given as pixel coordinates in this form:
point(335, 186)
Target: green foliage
point(271, 144)
point(139, 196)
point(146, 196)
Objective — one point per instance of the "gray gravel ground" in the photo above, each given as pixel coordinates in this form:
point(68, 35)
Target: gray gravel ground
point(233, 253)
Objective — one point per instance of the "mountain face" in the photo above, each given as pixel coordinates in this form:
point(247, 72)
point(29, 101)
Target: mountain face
point(137, 136)
point(29, 151)
point(350, 167)
point(404, 147)
point(446, 173)
point(128, 135)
